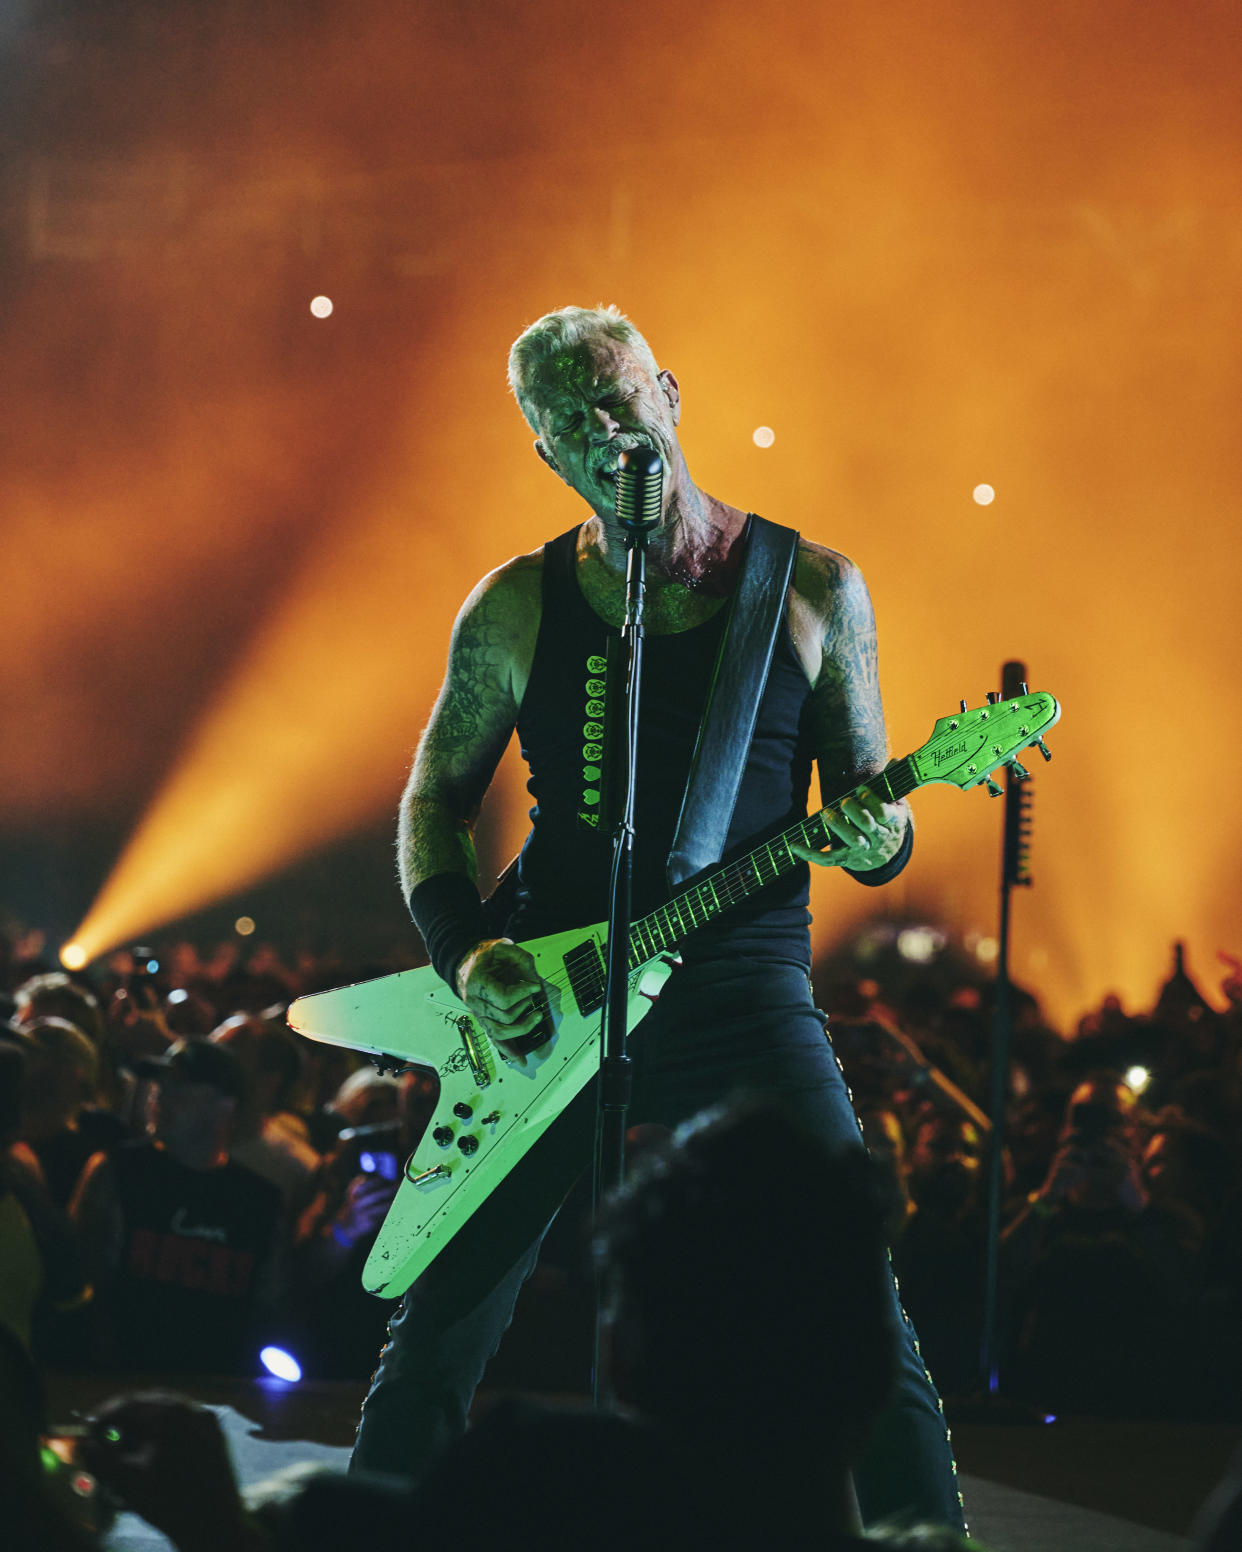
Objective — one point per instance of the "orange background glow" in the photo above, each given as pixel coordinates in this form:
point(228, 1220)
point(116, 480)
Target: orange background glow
point(929, 246)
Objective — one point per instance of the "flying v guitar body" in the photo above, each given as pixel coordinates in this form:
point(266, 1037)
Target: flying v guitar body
point(489, 1112)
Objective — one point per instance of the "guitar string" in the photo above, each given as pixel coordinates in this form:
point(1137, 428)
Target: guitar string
point(663, 928)
point(737, 880)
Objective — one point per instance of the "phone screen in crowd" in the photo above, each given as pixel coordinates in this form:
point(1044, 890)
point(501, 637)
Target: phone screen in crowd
point(378, 1162)
point(81, 1494)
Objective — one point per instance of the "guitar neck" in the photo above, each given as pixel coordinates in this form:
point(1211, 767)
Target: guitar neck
point(663, 929)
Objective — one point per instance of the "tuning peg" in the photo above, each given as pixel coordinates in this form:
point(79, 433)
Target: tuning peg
point(1043, 749)
point(993, 697)
point(995, 789)
point(1023, 690)
point(1020, 772)
point(963, 703)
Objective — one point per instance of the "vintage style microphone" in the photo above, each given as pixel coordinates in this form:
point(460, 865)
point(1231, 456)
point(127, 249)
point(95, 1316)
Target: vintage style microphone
point(640, 495)
point(640, 489)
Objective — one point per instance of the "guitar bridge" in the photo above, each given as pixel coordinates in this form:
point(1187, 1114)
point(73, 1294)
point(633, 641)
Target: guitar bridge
point(474, 1051)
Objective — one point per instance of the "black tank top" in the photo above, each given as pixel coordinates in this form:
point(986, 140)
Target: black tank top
point(564, 865)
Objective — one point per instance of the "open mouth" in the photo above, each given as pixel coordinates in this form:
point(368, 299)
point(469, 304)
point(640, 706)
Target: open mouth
point(608, 471)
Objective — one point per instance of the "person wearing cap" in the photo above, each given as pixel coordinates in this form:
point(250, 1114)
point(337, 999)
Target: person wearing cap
point(180, 1237)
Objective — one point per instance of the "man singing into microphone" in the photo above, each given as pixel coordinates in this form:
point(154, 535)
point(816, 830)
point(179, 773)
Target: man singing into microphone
point(527, 653)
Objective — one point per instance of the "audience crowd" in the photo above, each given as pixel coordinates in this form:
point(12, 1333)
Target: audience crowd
point(183, 1180)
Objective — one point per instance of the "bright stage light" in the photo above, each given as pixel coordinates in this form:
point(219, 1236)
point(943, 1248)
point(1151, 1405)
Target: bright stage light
point(281, 1364)
point(1137, 1078)
point(73, 956)
point(305, 713)
point(986, 951)
point(322, 307)
point(763, 436)
point(984, 495)
point(244, 926)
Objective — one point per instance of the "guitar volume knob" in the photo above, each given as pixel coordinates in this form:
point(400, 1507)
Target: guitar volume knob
point(442, 1136)
point(468, 1145)
point(462, 1110)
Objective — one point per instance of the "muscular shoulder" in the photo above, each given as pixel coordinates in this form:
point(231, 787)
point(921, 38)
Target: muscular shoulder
point(507, 595)
point(494, 634)
point(823, 577)
point(828, 597)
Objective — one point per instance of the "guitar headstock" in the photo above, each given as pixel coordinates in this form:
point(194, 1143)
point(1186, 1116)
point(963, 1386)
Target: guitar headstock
point(968, 746)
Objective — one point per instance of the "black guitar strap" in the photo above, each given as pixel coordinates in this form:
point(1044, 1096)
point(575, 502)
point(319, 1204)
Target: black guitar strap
point(738, 680)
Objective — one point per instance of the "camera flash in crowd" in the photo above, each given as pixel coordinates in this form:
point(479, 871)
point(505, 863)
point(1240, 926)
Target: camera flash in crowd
point(244, 926)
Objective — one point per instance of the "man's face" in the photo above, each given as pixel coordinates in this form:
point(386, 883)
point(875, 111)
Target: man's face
point(593, 403)
point(187, 1115)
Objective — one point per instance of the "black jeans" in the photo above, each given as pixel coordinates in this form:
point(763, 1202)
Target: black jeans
point(721, 1027)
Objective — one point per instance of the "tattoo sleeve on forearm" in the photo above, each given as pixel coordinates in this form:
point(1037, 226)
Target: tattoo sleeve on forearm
point(851, 741)
point(470, 726)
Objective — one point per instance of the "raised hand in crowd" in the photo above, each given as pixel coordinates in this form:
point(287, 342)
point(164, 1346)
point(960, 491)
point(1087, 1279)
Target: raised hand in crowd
point(166, 1459)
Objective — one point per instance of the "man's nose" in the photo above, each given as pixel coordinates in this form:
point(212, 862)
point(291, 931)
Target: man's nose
point(605, 425)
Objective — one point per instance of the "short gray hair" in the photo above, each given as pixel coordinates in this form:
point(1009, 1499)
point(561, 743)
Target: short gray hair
point(563, 330)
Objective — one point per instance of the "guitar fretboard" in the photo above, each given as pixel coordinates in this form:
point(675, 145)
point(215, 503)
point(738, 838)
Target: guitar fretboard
point(664, 928)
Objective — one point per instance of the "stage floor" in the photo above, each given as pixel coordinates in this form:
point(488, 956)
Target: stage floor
point(1072, 1486)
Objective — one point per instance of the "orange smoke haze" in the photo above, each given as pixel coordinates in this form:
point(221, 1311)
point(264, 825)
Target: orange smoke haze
point(930, 247)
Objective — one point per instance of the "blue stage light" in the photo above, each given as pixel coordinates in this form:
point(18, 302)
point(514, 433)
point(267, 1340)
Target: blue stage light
point(280, 1363)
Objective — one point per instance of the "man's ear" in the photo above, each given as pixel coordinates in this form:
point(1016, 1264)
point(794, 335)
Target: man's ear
point(671, 392)
point(547, 457)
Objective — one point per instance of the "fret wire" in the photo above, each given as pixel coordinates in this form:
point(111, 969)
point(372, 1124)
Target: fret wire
point(744, 875)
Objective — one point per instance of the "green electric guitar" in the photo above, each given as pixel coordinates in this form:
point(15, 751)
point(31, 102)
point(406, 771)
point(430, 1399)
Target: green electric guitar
point(490, 1112)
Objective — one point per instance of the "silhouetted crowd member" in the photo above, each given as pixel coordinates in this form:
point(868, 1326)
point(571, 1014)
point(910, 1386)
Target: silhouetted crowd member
point(1102, 1283)
point(267, 1137)
point(39, 1512)
point(749, 1320)
point(751, 1345)
point(42, 1271)
point(56, 995)
point(180, 1238)
point(939, 1255)
point(59, 1122)
point(337, 1323)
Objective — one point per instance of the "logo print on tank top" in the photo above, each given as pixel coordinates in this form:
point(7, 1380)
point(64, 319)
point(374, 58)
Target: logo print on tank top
point(593, 747)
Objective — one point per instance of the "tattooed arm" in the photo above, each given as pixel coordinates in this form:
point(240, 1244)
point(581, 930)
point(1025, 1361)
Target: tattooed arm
point(471, 724)
point(834, 625)
point(490, 654)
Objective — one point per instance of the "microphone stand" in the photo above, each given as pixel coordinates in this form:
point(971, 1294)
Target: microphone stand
point(986, 1404)
point(1013, 871)
point(615, 1068)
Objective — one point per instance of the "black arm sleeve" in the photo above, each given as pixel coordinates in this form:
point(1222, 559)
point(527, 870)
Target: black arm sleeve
point(890, 869)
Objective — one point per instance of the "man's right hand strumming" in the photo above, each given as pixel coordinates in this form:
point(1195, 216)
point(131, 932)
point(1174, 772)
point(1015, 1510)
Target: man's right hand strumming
point(498, 982)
